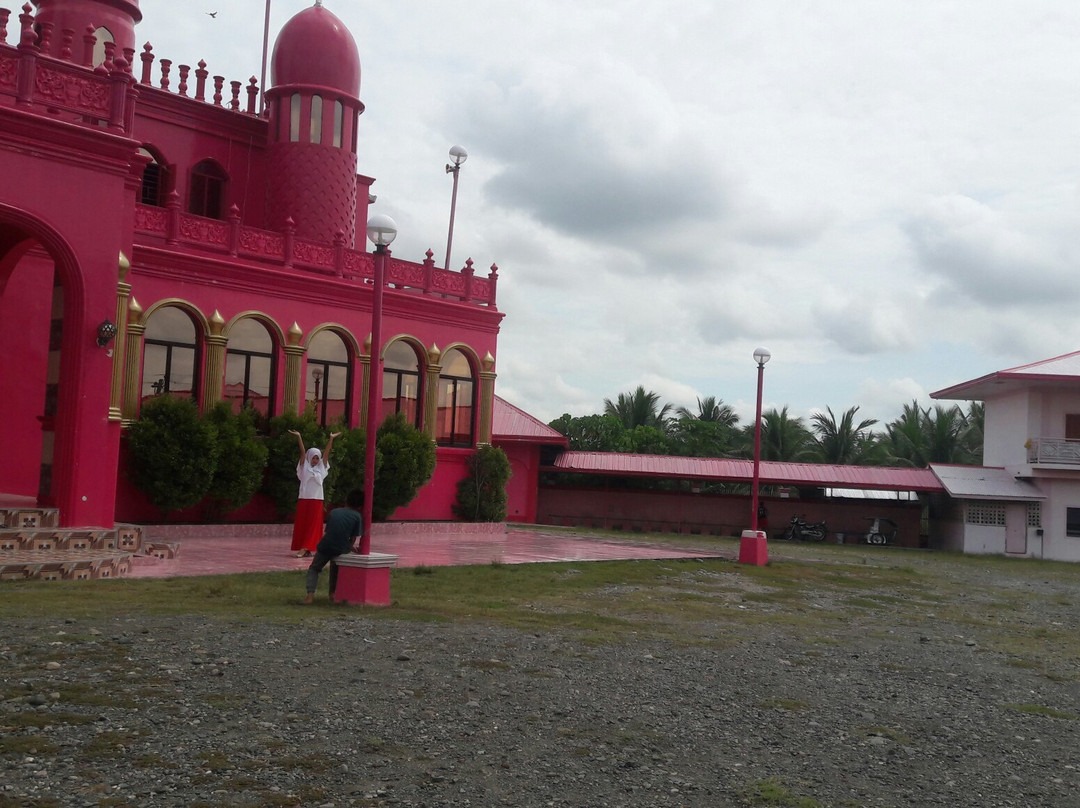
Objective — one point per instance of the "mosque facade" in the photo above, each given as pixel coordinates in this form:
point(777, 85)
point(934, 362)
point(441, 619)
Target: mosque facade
point(165, 231)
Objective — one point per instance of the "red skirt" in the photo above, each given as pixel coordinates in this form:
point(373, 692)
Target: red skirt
point(308, 527)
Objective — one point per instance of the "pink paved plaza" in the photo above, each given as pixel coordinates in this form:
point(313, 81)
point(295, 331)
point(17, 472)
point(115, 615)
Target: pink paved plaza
point(226, 554)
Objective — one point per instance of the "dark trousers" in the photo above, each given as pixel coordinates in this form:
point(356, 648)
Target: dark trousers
point(318, 561)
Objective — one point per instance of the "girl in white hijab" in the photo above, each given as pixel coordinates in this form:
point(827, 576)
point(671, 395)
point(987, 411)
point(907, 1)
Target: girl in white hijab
point(312, 469)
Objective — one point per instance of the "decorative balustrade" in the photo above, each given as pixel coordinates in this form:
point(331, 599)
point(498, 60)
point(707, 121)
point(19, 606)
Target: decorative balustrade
point(54, 72)
point(230, 237)
point(62, 87)
point(1054, 452)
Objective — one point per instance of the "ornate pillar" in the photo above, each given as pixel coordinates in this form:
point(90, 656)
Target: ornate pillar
point(294, 353)
point(487, 398)
point(214, 371)
point(123, 292)
point(133, 336)
point(365, 376)
point(431, 390)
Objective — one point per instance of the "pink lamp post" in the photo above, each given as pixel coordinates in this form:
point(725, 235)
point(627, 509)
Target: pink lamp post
point(364, 577)
point(753, 545)
point(458, 155)
point(381, 230)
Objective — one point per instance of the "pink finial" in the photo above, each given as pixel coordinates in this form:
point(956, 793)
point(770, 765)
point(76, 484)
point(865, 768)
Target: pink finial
point(494, 272)
point(182, 87)
point(4, 13)
point(66, 38)
point(27, 38)
point(429, 255)
point(235, 102)
point(110, 51)
point(129, 60)
point(253, 93)
point(166, 64)
point(45, 40)
point(219, 81)
point(147, 57)
point(200, 81)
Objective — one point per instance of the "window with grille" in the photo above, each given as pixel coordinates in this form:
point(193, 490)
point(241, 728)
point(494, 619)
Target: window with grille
point(985, 513)
point(1034, 514)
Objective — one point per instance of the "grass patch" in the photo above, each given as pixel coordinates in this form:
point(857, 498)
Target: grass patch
point(772, 792)
point(1038, 709)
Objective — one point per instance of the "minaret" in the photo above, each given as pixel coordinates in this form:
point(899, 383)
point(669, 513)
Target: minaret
point(313, 105)
point(111, 20)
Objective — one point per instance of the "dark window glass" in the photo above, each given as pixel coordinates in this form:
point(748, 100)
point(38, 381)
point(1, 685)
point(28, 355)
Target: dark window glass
point(170, 355)
point(1072, 522)
point(329, 379)
point(206, 196)
point(250, 367)
point(401, 382)
point(456, 399)
point(153, 181)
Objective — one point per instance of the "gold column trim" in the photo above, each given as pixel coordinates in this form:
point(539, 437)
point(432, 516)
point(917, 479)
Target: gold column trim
point(365, 379)
point(487, 398)
point(116, 389)
point(294, 355)
point(431, 390)
point(133, 337)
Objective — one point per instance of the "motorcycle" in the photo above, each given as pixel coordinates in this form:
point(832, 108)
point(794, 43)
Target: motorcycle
point(799, 529)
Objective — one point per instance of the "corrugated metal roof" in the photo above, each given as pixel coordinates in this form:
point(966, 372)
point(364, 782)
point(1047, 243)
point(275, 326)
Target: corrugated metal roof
point(985, 482)
point(508, 423)
point(1035, 374)
point(730, 470)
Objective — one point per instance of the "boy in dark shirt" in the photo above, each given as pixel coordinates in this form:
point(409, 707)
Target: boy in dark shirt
point(342, 528)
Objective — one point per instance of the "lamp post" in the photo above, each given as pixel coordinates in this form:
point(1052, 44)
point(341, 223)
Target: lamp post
point(753, 548)
point(381, 230)
point(458, 155)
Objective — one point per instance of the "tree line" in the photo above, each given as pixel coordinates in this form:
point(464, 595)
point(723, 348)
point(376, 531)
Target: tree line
point(638, 422)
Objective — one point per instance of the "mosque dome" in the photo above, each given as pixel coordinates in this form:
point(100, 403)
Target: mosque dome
point(315, 48)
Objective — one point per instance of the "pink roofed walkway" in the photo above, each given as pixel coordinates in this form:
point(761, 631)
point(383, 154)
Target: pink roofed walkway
point(211, 553)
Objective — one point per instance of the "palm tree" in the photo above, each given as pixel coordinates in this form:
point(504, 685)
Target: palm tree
point(639, 408)
point(711, 409)
point(843, 442)
point(920, 436)
point(782, 438)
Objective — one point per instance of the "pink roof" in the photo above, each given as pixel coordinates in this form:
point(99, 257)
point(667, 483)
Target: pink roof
point(508, 423)
point(729, 470)
point(1035, 374)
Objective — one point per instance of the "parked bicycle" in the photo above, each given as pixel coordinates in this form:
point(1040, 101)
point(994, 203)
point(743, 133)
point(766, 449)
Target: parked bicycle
point(799, 529)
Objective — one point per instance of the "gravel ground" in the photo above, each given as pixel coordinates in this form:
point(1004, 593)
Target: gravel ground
point(361, 711)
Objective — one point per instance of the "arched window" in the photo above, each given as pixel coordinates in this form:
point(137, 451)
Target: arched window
point(401, 382)
point(250, 367)
point(153, 181)
point(294, 118)
point(315, 135)
point(329, 379)
point(455, 401)
point(101, 35)
point(170, 355)
point(206, 196)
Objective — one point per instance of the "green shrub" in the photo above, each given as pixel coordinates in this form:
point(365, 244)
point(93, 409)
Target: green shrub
point(481, 495)
point(346, 465)
point(173, 453)
point(241, 462)
point(404, 461)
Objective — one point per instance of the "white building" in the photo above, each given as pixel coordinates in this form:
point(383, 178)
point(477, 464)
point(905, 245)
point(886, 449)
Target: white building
point(1025, 500)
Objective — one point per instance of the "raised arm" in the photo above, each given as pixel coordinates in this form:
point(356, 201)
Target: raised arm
point(300, 442)
point(329, 446)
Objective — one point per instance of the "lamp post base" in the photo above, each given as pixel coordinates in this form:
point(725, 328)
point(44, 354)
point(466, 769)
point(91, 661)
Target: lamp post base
point(362, 579)
point(754, 548)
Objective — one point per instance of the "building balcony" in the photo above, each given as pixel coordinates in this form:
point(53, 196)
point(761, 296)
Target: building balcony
point(1054, 452)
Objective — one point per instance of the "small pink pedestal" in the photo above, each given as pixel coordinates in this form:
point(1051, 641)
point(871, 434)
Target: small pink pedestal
point(362, 579)
point(754, 548)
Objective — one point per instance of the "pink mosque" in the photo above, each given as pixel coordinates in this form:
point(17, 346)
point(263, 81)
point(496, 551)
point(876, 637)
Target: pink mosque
point(163, 234)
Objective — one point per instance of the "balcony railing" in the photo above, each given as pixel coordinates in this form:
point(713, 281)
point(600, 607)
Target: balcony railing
point(1054, 452)
point(284, 249)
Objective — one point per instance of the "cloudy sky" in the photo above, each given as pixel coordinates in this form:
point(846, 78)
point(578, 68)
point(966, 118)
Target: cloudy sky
point(884, 193)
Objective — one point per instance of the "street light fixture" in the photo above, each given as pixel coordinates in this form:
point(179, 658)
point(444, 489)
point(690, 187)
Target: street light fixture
point(458, 155)
point(753, 547)
point(381, 230)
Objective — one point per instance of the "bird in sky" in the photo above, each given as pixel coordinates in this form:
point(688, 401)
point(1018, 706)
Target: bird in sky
point(212, 14)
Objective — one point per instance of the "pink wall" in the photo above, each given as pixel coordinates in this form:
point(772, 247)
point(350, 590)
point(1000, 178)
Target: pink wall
point(521, 491)
point(709, 514)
